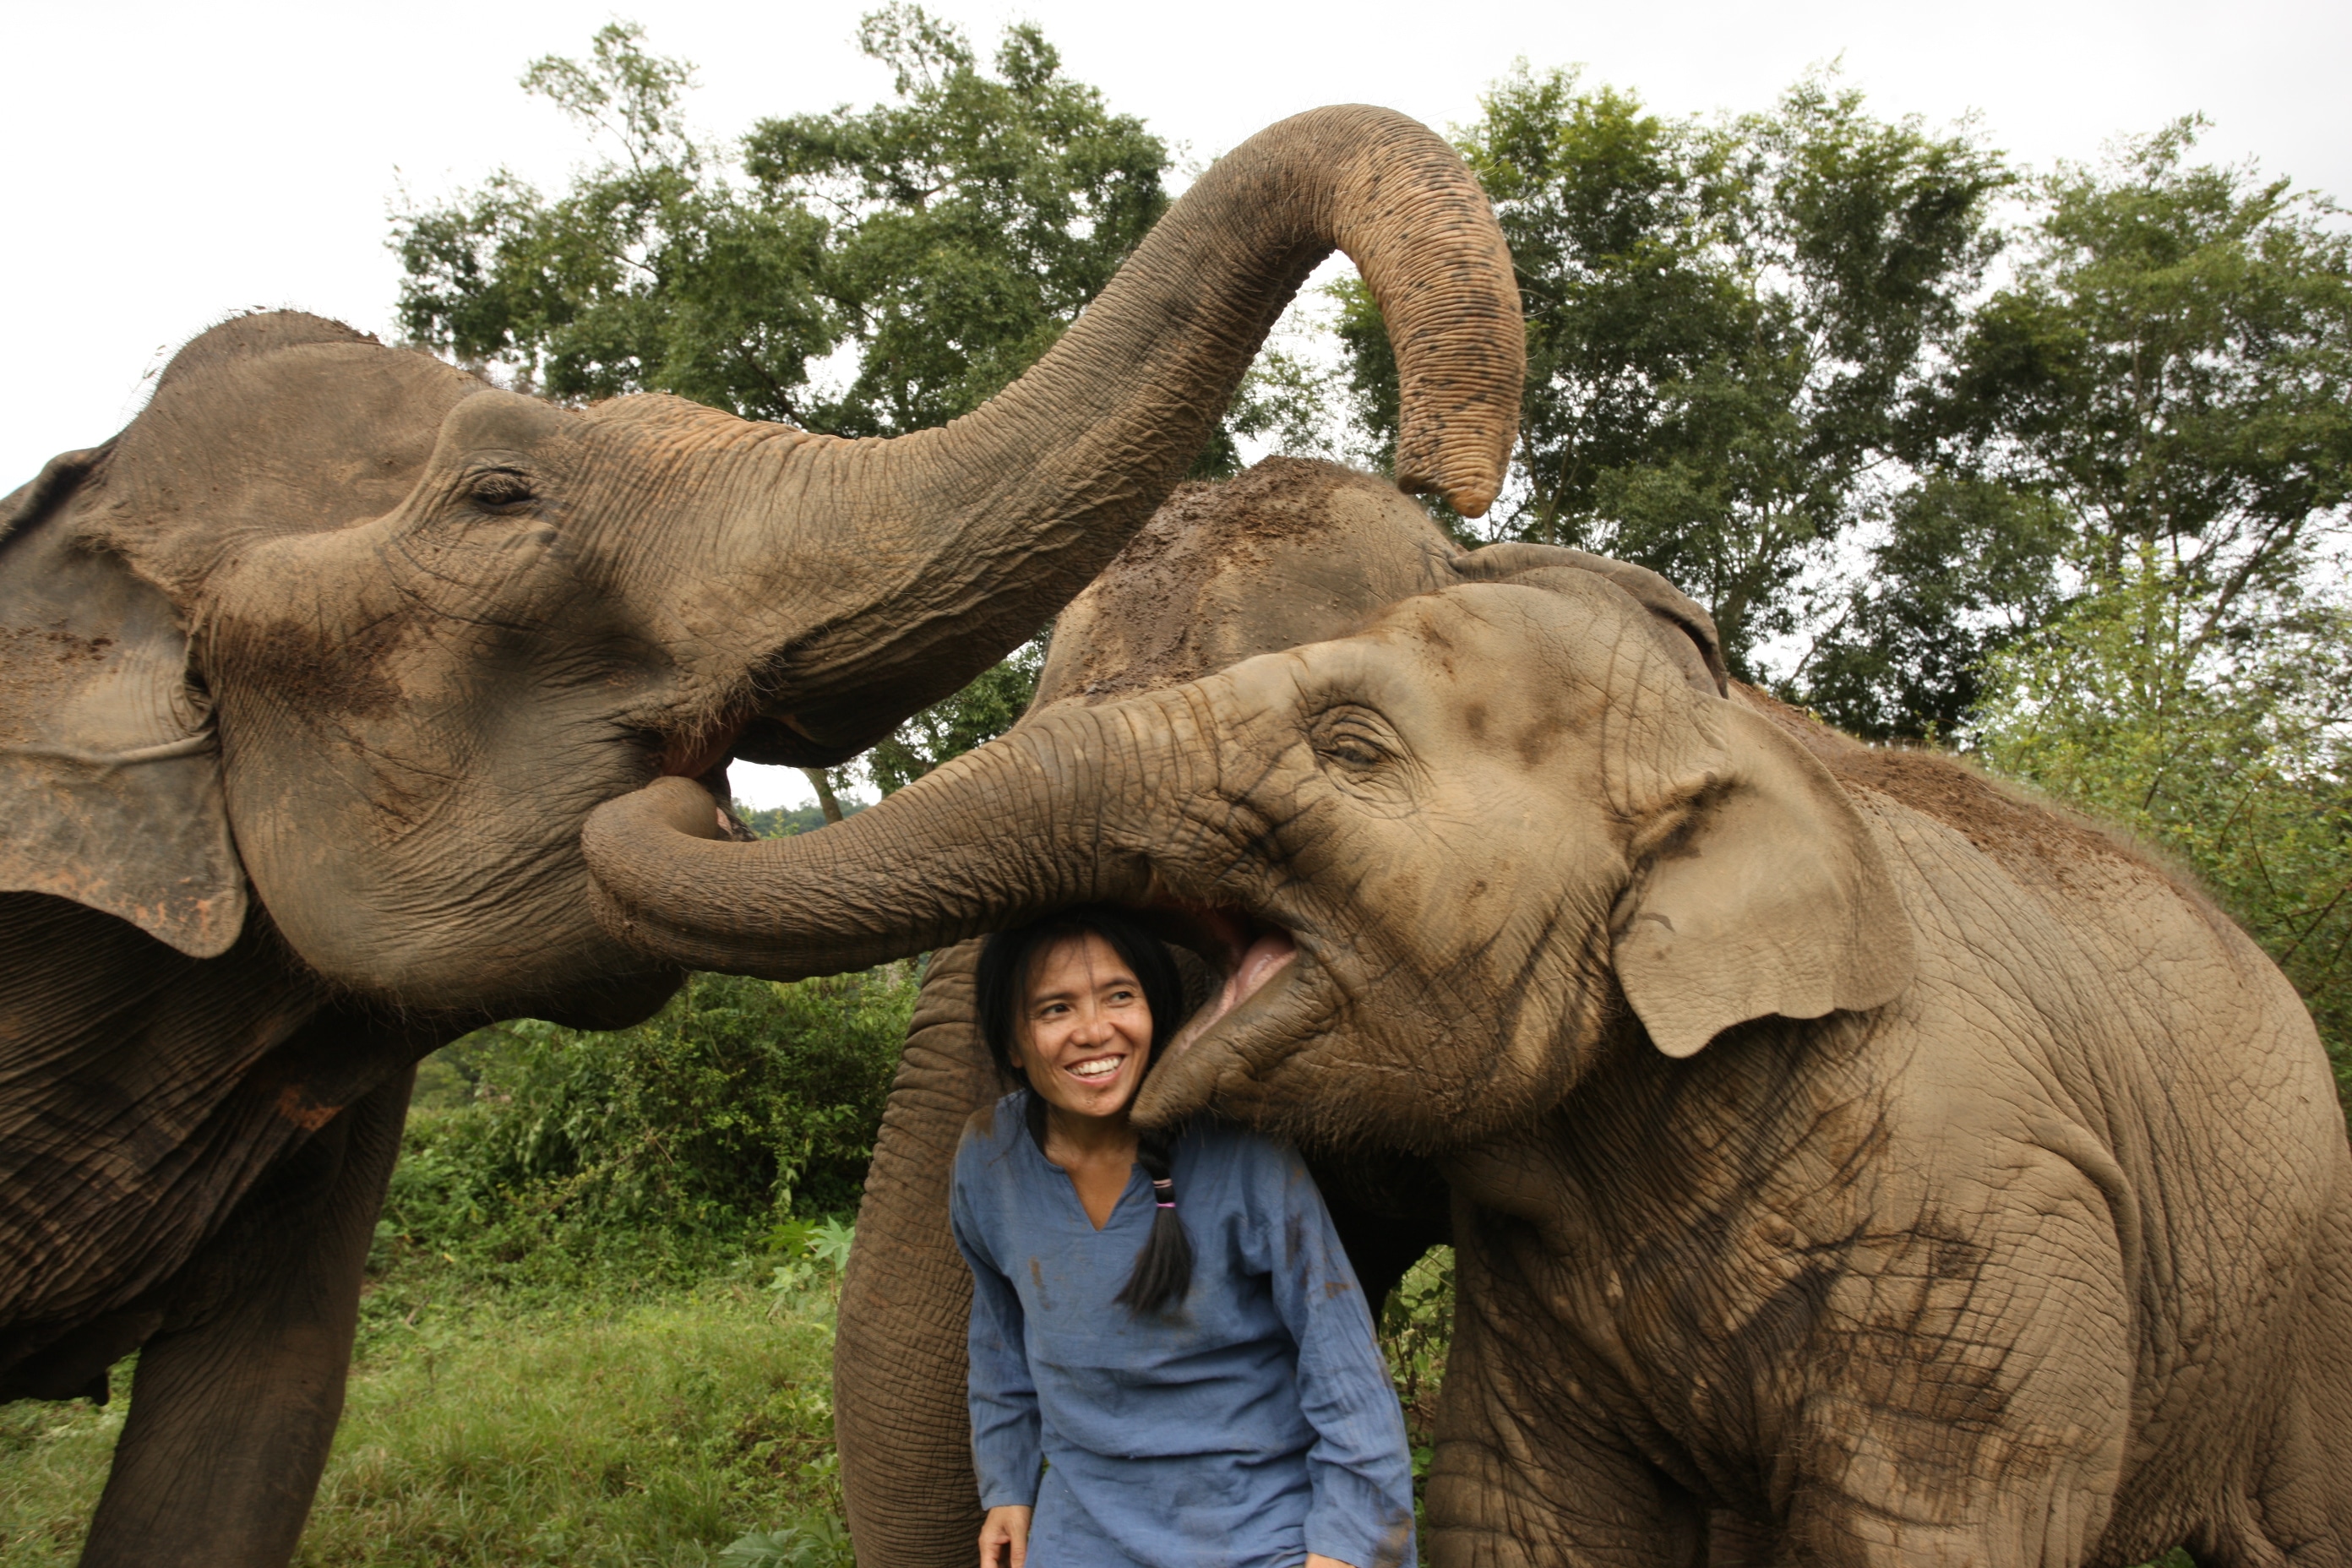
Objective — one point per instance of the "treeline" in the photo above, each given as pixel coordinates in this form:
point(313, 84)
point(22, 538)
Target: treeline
point(2048, 466)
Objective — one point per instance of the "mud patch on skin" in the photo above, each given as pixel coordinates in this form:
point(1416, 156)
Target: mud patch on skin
point(1312, 545)
point(54, 643)
point(296, 1107)
point(41, 666)
point(317, 672)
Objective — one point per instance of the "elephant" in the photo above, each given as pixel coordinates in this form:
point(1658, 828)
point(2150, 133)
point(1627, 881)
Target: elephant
point(1849, 1159)
point(310, 677)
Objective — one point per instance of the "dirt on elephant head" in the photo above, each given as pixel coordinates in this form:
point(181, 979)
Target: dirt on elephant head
point(1291, 551)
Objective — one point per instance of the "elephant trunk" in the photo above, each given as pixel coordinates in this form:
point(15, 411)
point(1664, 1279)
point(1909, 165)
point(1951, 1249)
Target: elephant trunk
point(961, 541)
point(992, 838)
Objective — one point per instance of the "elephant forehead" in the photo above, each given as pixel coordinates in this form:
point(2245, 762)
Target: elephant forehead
point(501, 419)
point(1291, 553)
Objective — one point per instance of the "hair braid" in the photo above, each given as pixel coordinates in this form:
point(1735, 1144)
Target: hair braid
point(1163, 1269)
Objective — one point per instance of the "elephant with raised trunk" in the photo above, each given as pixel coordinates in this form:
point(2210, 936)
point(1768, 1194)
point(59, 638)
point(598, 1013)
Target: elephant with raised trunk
point(309, 677)
point(1851, 1160)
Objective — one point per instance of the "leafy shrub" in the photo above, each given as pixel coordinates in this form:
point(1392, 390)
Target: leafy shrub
point(659, 1149)
point(818, 1542)
point(1415, 1327)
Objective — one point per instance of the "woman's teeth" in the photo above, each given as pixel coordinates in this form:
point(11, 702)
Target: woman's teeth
point(1100, 1068)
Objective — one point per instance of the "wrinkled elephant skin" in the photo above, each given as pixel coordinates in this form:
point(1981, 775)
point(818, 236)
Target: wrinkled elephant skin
point(1853, 1162)
point(309, 677)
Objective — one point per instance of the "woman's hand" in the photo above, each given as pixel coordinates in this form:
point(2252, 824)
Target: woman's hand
point(1317, 1560)
point(1004, 1537)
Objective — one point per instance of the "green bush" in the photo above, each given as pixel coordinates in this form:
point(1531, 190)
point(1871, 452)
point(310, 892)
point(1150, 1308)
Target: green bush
point(537, 1154)
point(1416, 1325)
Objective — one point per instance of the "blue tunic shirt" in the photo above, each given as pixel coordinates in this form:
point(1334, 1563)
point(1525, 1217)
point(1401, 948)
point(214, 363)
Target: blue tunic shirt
point(1250, 1427)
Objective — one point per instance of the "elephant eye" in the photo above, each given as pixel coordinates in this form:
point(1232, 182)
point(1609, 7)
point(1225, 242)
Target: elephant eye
point(1349, 739)
point(498, 487)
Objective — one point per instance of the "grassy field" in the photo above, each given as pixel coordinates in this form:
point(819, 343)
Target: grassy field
point(655, 1431)
point(681, 1429)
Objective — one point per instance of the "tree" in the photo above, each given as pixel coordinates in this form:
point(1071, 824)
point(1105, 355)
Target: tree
point(1729, 325)
point(974, 716)
point(940, 243)
point(2170, 373)
point(1961, 566)
point(944, 240)
point(2174, 368)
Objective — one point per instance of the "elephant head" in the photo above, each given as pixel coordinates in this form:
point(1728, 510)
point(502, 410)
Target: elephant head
point(1440, 860)
point(349, 624)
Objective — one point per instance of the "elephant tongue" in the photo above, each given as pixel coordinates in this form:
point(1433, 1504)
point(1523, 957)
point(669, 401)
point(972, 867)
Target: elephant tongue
point(1259, 963)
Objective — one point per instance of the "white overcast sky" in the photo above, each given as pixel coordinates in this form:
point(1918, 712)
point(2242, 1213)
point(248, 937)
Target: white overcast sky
point(162, 165)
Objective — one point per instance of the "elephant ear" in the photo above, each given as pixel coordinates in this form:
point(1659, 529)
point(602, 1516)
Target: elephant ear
point(109, 774)
point(1772, 900)
point(1666, 604)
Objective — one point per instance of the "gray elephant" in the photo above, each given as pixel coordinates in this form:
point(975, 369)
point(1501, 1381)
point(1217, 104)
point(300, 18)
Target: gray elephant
point(309, 678)
point(1851, 1160)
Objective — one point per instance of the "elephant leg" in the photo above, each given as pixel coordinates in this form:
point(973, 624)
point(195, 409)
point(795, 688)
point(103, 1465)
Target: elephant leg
point(1973, 1407)
point(898, 1361)
point(1521, 1478)
point(235, 1399)
point(2300, 1505)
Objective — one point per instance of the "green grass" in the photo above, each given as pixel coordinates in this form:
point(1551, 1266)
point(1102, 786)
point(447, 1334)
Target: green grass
point(657, 1431)
point(502, 1426)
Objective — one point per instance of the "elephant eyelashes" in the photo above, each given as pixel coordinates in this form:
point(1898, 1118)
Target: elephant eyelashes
point(1352, 740)
point(501, 487)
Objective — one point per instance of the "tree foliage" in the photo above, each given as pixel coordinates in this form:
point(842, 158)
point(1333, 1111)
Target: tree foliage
point(970, 221)
point(2170, 371)
point(2169, 367)
point(2174, 365)
point(743, 1103)
point(972, 717)
point(942, 242)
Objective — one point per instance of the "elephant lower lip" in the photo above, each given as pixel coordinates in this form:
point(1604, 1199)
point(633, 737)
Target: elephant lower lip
point(697, 757)
point(1268, 953)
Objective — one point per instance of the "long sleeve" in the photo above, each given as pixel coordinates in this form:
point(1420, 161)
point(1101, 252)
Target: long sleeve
point(1006, 1439)
point(1359, 1469)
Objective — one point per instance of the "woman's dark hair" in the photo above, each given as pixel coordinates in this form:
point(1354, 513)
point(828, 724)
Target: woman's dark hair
point(1008, 959)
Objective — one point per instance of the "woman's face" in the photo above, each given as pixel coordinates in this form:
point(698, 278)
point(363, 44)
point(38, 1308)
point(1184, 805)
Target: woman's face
point(1084, 1033)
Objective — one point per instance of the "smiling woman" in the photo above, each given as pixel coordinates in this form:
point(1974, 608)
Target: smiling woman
point(1242, 1416)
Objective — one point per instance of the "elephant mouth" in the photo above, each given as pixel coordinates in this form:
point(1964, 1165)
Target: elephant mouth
point(705, 759)
point(1270, 996)
point(1252, 955)
point(750, 736)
